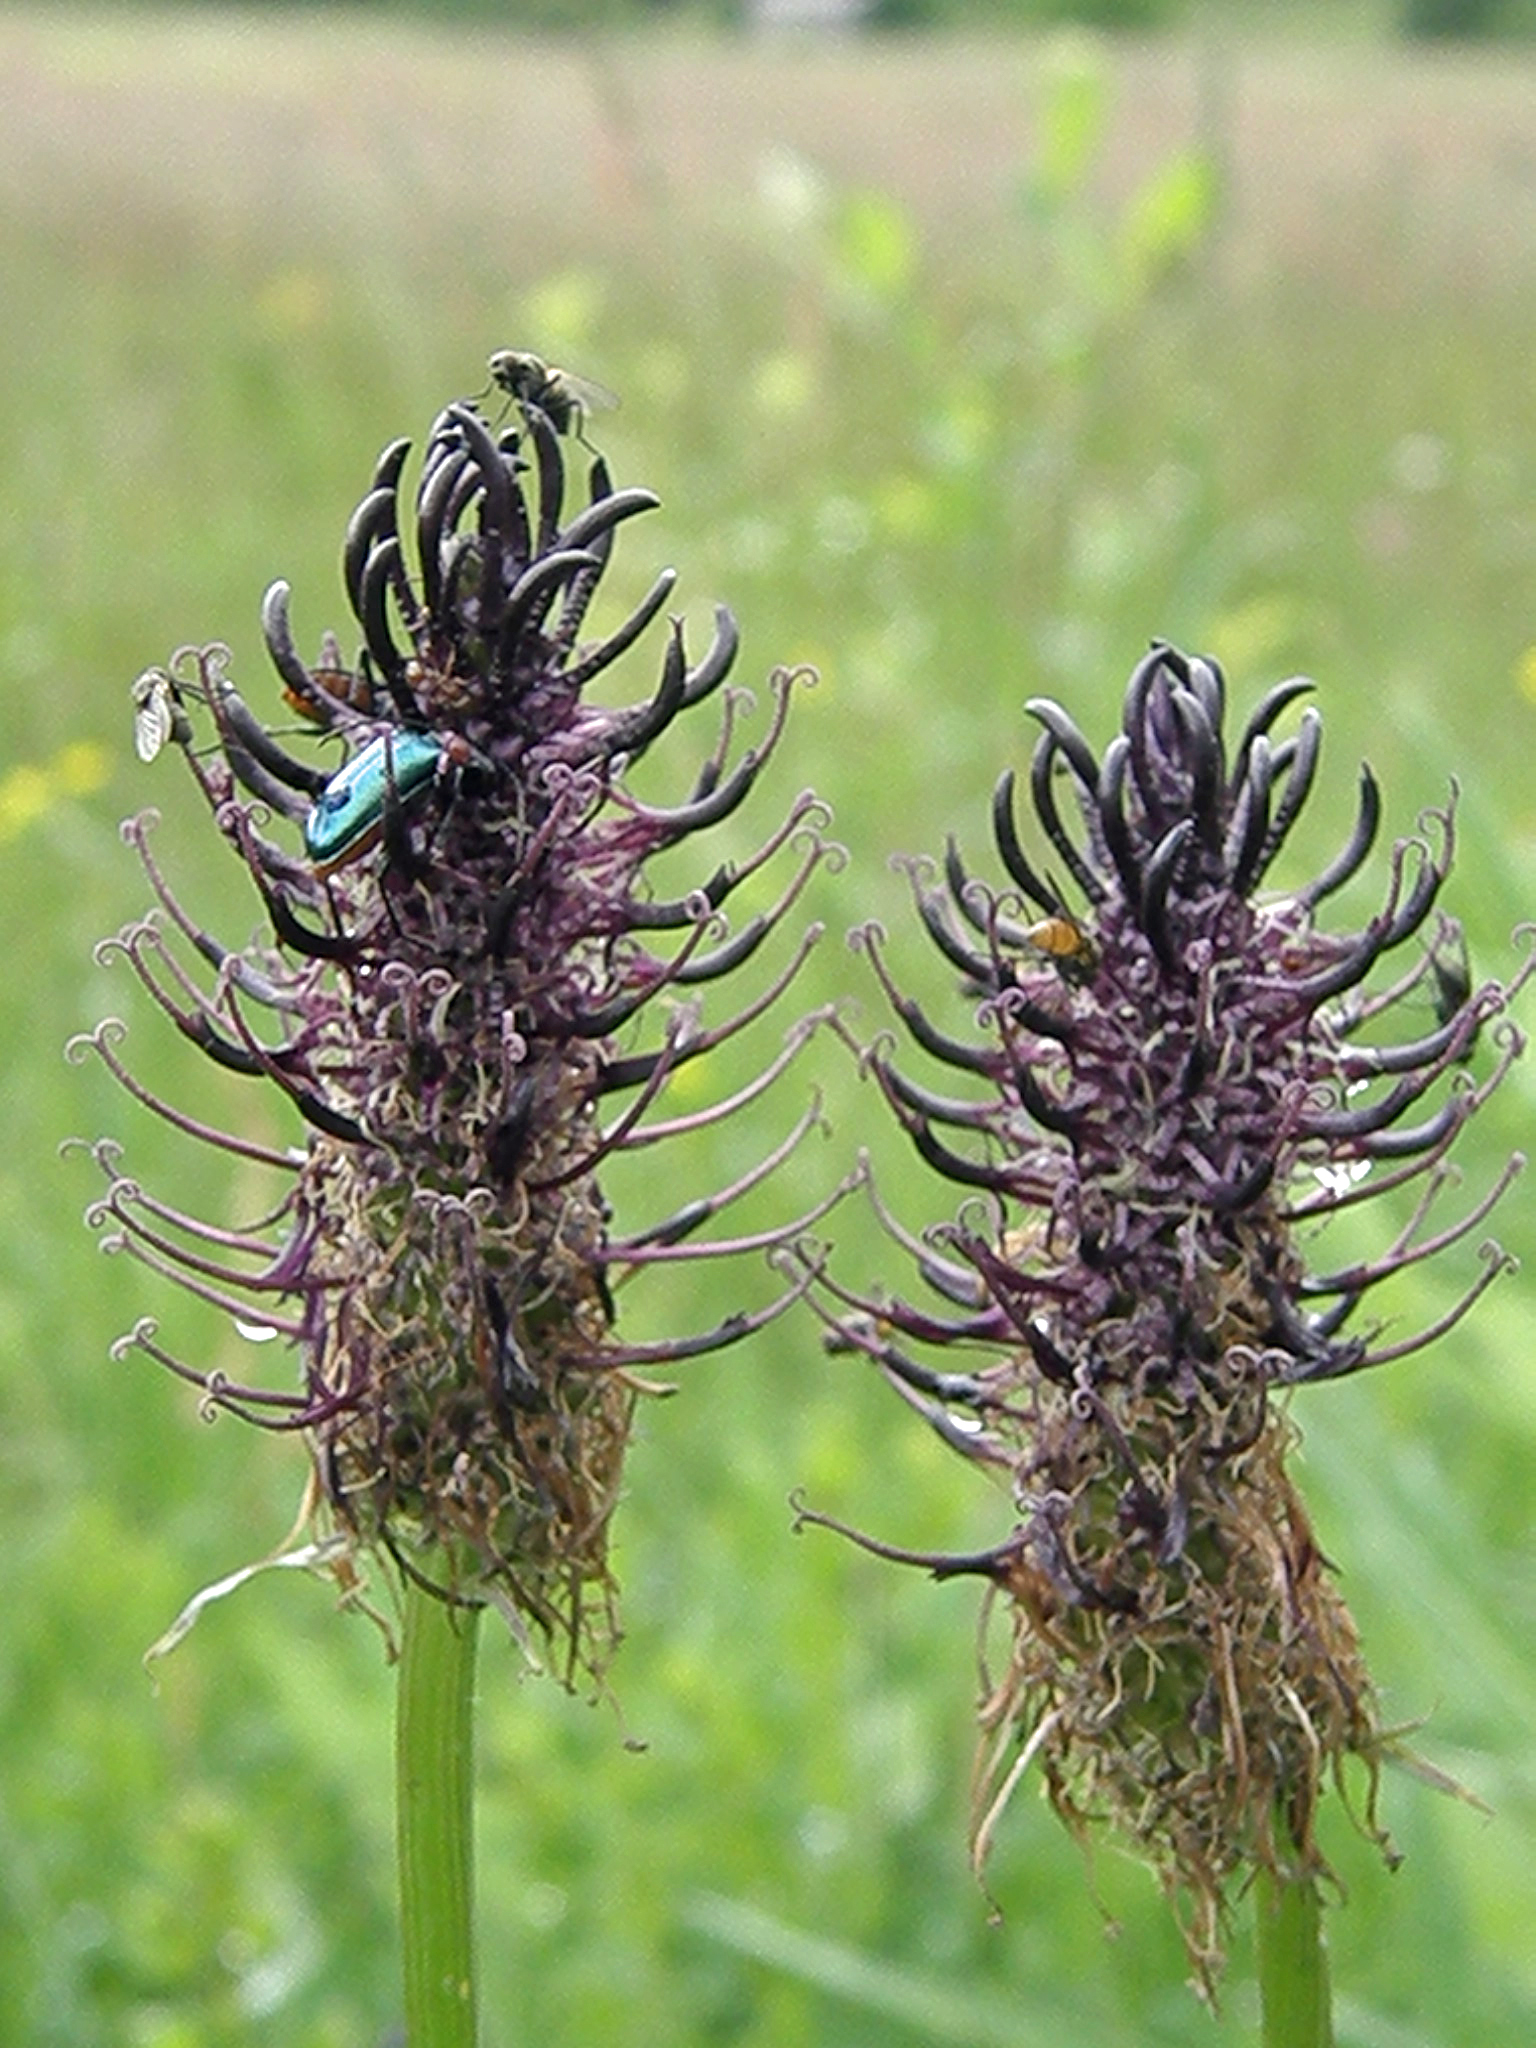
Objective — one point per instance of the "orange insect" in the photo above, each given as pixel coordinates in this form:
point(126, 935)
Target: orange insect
point(341, 685)
point(1066, 945)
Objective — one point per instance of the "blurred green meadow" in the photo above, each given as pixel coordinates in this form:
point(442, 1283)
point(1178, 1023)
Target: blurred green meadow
point(962, 370)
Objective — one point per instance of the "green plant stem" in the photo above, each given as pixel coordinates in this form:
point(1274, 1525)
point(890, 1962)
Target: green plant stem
point(435, 1820)
point(1293, 1964)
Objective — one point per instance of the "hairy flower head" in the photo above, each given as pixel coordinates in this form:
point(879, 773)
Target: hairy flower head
point(1177, 1076)
point(454, 872)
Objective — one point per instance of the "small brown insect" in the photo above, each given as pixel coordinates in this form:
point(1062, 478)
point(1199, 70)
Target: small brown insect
point(1066, 945)
point(564, 398)
point(341, 685)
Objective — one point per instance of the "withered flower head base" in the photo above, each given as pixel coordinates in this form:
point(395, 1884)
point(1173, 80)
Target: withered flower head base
point(462, 929)
point(1175, 1081)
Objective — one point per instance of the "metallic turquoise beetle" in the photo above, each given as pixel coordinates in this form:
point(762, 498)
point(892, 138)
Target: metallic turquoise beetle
point(347, 818)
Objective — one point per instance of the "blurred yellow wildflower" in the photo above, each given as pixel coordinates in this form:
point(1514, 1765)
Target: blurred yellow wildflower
point(30, 789)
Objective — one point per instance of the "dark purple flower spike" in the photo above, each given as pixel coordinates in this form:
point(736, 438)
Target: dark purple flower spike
point(462, 929)
point(1172, 1082)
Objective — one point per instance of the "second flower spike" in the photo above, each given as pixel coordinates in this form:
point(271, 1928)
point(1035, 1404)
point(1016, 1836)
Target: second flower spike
point(1176, 1074)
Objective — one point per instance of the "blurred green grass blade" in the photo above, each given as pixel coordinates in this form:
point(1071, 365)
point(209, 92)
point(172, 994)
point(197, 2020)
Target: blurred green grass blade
point(928, 2007)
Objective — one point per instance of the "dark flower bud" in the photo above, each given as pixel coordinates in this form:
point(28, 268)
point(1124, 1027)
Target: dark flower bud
point(1175, 1077)
point(455, 876)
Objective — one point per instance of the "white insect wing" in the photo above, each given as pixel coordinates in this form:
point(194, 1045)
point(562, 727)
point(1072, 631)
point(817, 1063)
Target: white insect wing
point(151, 713)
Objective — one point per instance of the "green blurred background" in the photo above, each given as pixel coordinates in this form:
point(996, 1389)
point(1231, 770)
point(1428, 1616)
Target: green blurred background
point(964, 364)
